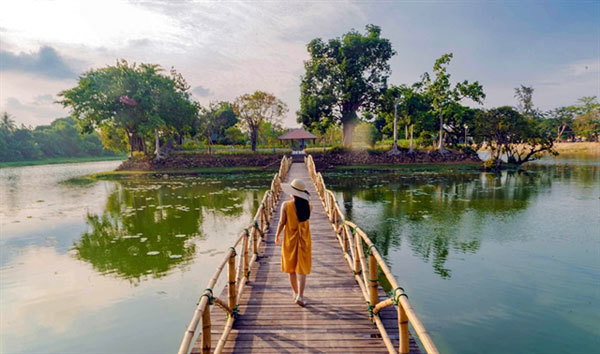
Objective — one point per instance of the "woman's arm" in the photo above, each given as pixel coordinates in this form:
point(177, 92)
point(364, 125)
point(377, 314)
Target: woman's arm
point(282, 222)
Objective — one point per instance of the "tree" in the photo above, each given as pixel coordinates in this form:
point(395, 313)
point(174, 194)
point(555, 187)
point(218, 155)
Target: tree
point(7, 124)
point(413, 104)
point(214, 120)
point(269, 132)
point(459, 119)
point(442, 93)
point(113, 138)
point(343, 77)
point(558, 121)
point(234, 135)
point(136, 98)
point(524, 96)
point(254, 109)
point(587, 121)
point(508, 132)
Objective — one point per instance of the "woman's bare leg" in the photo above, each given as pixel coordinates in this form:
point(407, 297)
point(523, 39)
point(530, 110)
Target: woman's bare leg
point(294, 282)
point(301, 284)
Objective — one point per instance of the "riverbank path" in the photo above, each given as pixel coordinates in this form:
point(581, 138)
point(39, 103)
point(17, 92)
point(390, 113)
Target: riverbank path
point(336, 317)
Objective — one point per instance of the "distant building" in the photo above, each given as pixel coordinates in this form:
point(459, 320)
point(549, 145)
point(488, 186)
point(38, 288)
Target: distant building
point(299, 135)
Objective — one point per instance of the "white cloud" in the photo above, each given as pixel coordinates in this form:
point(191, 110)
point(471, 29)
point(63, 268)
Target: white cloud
point(231, 48)
point(93, 23)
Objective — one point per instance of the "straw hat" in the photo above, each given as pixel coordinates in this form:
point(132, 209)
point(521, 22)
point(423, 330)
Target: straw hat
point(296, 188)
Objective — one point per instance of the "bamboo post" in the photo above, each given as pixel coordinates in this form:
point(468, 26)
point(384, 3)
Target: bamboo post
point(373, 283)
point(403, 347)
point(344, 240)
point(206, 330)
point(255, 241)
point(358, 252)
point(245, 253)
point(262, 216)
point(232, 282)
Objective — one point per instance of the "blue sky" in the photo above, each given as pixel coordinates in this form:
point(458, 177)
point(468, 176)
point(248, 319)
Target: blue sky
point(225, 49)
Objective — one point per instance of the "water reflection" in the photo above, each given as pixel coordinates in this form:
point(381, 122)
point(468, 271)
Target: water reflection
point(440, 213)
point(147, 226)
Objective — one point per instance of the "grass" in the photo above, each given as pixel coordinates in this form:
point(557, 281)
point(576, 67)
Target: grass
point(592, 148)
point(261, 151)
point(111, 175)
point(59, 160)
point(413, 167)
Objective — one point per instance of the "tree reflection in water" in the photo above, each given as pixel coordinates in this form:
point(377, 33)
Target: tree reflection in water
point(148, 225)
point(430, 210)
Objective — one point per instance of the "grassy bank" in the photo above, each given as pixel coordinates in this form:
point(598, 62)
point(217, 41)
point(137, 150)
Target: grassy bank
point(452, 166)
point(111, 175)
point(59, 160)
point(590, 148)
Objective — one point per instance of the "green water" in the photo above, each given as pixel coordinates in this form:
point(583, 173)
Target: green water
point(505, 263)
point(113, 267)
point(492, 263)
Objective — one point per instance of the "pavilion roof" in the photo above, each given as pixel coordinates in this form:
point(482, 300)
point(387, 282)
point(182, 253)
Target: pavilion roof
point(297, 134)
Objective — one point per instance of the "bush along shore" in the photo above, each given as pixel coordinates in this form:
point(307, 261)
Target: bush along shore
point(196, 162)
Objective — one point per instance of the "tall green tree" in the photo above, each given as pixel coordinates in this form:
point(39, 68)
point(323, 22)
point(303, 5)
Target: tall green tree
point(254, 109)
point(587, 122)
point(413, 104)
point(136, 98)
point(344, 77)
point(524, 96)
point(7, 124)
point(510, 133)
point(443, 93)
point(214, 120)
point(559, 121)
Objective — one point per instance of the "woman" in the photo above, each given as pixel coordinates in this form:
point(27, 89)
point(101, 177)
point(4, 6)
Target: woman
point(296, 247)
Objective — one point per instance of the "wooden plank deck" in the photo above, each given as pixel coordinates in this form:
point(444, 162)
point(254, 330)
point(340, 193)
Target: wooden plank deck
point(335, 318)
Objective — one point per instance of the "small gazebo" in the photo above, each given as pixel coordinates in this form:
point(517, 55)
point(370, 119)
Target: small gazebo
point(300, 135)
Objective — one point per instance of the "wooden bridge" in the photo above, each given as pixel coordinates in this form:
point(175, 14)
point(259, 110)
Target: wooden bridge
point(346, 311)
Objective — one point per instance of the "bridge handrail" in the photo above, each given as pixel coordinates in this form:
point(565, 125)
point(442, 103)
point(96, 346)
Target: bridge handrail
point(353, 241)
point(236, 275)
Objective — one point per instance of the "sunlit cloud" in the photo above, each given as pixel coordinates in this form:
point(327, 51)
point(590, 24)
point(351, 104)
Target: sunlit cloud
point(230, 48)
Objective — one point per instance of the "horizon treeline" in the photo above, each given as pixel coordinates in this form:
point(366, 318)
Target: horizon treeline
point(345, 97)
point(59, 139)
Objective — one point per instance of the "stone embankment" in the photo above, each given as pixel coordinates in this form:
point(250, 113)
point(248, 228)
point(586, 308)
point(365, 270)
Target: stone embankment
point(323, 161)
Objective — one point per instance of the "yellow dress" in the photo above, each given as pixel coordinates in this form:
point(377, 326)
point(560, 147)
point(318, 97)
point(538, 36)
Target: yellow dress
point(296, 245)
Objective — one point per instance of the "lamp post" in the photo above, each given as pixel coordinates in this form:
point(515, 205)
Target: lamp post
point(466, 129)
point(395, 150)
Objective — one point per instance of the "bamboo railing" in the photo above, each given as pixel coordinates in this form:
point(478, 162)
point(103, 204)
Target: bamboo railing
point(237, 276)
point(353, 241)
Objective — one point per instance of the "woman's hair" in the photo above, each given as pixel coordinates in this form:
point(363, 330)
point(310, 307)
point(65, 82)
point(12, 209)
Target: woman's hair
point(302, 209)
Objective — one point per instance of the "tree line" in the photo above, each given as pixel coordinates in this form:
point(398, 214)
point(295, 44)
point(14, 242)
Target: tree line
point(59, 139)
point(346, 84)
point(143, 108)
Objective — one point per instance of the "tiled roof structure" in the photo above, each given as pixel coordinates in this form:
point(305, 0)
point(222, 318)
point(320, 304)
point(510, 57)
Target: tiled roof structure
point(297, 134)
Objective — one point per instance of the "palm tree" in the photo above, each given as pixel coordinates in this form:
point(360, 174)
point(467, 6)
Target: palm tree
point(6, 123)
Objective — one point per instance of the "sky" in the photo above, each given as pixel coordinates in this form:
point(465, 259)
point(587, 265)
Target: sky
point(228, 48)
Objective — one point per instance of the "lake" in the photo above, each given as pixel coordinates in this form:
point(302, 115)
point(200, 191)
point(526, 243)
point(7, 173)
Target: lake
point(506, 263)
point(491, 263)
point(111, 266)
